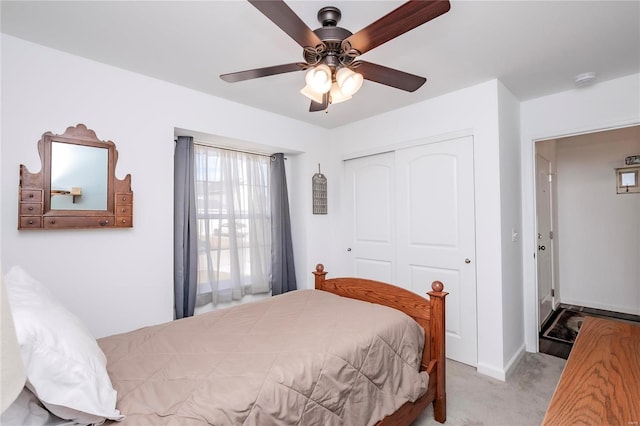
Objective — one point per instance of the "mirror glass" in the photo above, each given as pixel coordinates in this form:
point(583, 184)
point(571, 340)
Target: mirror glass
point(78, 177)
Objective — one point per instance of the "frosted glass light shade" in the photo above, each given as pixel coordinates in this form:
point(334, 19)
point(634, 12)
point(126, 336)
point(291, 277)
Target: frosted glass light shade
point(311, 94)
point(319, 78)
point(336, 94)
point(349, 81)
point(12, 375)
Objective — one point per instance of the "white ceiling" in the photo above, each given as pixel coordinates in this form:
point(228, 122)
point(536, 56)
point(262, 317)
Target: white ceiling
point(534, 47)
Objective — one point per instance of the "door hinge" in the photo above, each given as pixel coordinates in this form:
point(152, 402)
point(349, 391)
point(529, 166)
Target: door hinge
point(551, 235)
point(553, 293)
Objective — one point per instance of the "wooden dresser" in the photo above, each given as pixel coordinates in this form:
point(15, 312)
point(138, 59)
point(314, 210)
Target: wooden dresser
point(600, 384)
point(93, 196)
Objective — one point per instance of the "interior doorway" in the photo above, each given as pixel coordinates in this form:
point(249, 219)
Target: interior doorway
point(590, 237)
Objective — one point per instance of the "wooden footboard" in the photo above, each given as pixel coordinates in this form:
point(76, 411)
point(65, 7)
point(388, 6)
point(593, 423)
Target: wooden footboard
point(429, 313)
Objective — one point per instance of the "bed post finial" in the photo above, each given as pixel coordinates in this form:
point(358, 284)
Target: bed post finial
point(320, 274)
point(437, 286)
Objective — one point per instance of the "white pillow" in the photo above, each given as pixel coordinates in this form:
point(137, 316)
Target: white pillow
point(65, 367)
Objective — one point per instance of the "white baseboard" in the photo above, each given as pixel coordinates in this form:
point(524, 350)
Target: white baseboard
point(597, 305)
point(491, 371)
point(502, 374)
point(515, 360)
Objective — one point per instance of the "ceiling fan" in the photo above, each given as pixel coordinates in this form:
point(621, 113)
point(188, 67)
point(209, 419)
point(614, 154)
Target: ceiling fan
point(333, 72)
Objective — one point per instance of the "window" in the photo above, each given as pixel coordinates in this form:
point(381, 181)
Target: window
point(233, 224)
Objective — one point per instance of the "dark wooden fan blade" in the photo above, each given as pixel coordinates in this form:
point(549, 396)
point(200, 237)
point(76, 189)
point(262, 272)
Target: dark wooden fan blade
point(263, 72)
point(389, 76)
point(320, 106)
point(397, 22)
point(285, 18)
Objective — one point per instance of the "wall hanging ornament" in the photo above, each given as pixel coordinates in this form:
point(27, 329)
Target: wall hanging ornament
point(632, 160)
point(319, 188)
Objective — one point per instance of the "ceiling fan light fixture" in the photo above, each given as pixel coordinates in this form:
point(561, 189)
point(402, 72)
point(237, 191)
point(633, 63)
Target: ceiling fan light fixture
point(311, 94)
point(319, 79)
point(349, 81)
point(336, 95)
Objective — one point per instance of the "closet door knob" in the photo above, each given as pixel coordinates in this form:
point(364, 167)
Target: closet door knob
point(467, 260)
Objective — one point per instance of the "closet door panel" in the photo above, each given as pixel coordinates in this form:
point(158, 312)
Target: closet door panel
point(369, 206)
point(436, 233)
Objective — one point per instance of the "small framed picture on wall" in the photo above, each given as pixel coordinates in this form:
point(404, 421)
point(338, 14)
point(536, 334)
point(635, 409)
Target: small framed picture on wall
point(627, 180)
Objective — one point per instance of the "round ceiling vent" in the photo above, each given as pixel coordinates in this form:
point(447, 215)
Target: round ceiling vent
point(585, 79)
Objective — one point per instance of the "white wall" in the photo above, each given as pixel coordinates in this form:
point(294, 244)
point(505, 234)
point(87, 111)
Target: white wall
point(472, 111)
point(120, 279)
point(599, 250)
point(605, 105)
point(2, 202)
point(511, 225)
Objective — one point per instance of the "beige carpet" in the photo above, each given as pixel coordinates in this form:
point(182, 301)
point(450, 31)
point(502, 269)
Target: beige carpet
point(477, 400)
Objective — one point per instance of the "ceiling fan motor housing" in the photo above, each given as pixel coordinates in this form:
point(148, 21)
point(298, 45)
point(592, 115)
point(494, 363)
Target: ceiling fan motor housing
point(332, 36)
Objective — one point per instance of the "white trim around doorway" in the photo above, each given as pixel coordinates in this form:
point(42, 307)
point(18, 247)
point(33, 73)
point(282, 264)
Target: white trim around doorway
point(528, 221)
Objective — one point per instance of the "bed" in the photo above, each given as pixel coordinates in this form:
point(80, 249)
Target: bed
point(306, 357)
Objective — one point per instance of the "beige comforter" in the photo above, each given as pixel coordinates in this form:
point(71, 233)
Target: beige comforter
point(307, 357)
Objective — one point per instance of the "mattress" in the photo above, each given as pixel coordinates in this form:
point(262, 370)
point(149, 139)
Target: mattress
point(304, 357)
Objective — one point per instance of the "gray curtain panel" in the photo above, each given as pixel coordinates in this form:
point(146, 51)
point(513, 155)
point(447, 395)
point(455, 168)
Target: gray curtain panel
point(283, 274)
point(185, 251)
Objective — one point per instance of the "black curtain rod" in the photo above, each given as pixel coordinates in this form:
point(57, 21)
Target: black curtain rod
point(201, 143)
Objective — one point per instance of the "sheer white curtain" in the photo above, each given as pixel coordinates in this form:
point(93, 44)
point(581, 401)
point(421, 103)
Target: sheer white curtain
point(234, 224)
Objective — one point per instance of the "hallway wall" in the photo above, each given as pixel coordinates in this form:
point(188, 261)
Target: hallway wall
point(598, 230)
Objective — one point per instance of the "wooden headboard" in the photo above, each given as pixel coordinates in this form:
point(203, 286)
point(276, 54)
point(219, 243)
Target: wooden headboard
point(429, 313)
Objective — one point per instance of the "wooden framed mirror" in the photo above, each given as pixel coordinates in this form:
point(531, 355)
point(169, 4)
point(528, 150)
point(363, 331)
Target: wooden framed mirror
point(76, 186)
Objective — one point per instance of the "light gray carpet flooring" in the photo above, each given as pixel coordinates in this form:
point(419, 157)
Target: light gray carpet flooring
point(474, 399)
